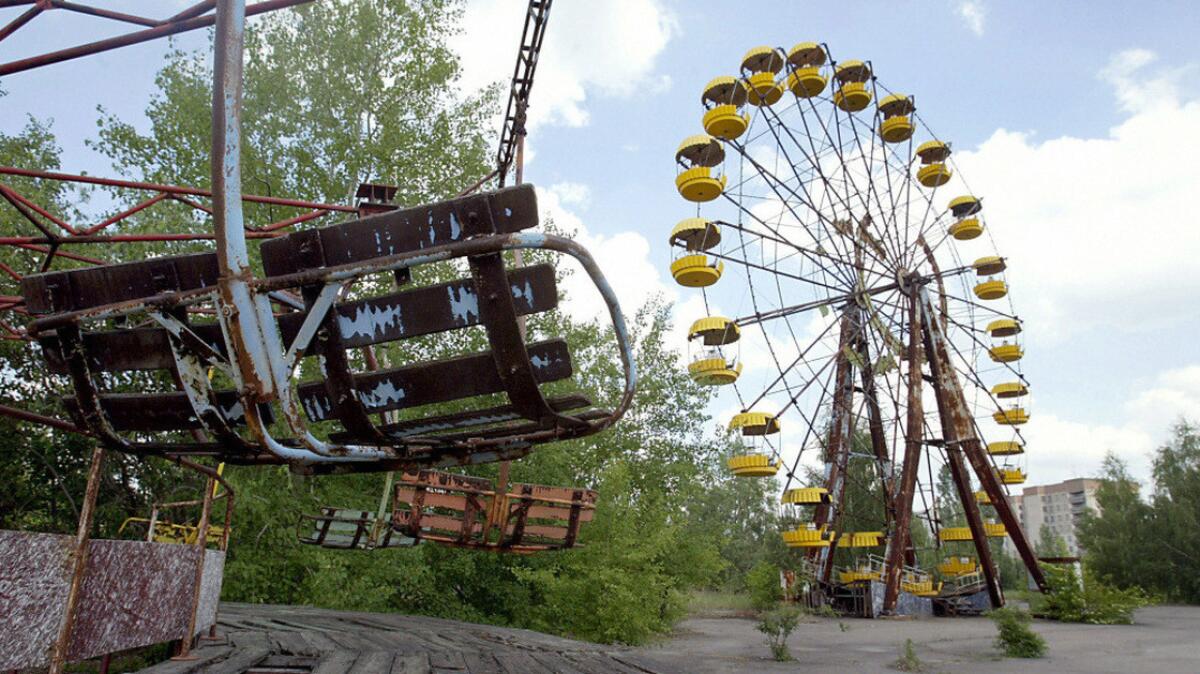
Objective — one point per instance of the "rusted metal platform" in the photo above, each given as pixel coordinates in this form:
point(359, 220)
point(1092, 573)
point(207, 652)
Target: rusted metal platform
point(256, 639)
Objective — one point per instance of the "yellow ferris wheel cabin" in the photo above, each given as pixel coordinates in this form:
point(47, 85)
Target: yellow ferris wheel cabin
point(806, 59)
point(897, 126)
point(754, 423)
point(724, 97)
point(933, 171)
point(1004, 327)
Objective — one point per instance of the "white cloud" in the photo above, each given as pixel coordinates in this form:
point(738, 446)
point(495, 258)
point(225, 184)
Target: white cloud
point(573, 194)
point(1096, 229)
point(973, 13)
point(600, 47)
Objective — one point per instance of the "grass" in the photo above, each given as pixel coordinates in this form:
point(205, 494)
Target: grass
point(908, 660)
point(715, 602)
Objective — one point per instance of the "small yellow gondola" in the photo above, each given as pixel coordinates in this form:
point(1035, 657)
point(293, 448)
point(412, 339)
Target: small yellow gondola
point(715, 331)
point(1006, 353)
point(754, 423)
point(958, 566)
point(1010, 389)
point(995, 529)
point(966, 229)
point(1004, 327)
point(714, 371)
point(806, 80)
point(992, 289)
point(1010, 475)
point(952, 534)
point(961, 207)
point(695, 234)
point(853, 94)
point(1014, 416)
point(1005, 448)
point(933, 171)
point(695, 271)
point(724, 97)
point(711, 367)
point(806, 496)
point(752, 465)
point(982, 498)
point(808, 535)
point(763, 64)
point(989, 265)
point(858, 575)
point(896, 126)
point(860, 539)
point(698, 155)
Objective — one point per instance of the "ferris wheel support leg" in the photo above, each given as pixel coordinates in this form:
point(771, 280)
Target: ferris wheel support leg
point(972, 448)
point(958, 435)
point(875, 420)
point(837, 451)
point(898, 541)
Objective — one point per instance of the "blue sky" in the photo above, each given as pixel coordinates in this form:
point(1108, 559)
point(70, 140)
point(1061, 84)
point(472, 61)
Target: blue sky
point(1078, 121)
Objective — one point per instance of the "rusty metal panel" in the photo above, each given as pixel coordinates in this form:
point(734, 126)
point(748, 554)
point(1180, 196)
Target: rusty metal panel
point(405, 230)
point(126, 350)
point(133, 594)
point(34, 579)
point(437, 381)
point(98, 286)
point(166, 411)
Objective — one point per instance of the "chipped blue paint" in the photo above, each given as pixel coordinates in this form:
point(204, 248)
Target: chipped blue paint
point(464, 304)
point(523, 292)
point(384, 394)
point(318, 408)
point(369, 321)
point(539, 362)
point(455, 229)
point(507, 212)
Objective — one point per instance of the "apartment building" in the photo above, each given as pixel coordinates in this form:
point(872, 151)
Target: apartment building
point(1058, 506)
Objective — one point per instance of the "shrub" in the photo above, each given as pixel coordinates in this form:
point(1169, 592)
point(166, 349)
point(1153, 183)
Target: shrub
point(777, 625)
point(1092, 601)
point(1016, 639)
point(763, 584)
point(908, 660)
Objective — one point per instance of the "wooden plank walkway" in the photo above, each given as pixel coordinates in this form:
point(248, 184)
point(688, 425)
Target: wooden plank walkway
point(260, 639)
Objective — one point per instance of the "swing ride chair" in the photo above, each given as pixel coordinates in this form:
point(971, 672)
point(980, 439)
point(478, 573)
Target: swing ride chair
point(311, 270)
point(812, 180)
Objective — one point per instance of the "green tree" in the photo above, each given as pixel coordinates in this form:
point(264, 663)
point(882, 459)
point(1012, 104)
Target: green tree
point(1118, 540)
point(1176, 514)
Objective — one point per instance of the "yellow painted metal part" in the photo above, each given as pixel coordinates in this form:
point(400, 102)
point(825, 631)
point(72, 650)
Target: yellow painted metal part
point(860, 539)
point(957, 566)
point(968, 204)
point(806, 82)
point(921, 588)
point(991, 290)
point(700, 150)
point(934, 175)
point(966, 229)
point(698, 185)
point(1010, 389)
point(752, 465)
point(933, 152)
point(762, 59)
point(715, 331)
point(725, 90)
point(852, 97)
point(806, 54)
point(806, 496)
point(982, 498)
point(1011, 476)
point(952, 534)
point(725, 121)
point(852, 71)
point(763, 89)
point(1014, 416)
point(1006, 353)
point(694, 271)
point(994, 529)
point(1005, 448)
point(989, 265)
point(754, 423)
point(896, 129)
point(857, 575)
point(696, 234)
point(1004, 327)
point(166, 532)
point(807, 536)
point(714, 371)
point(896, 104)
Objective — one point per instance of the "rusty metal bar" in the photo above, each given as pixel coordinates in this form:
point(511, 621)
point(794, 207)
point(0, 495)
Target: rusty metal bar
point(837, 451)
point(104, 13)
point(27, 16)
point(58, 658)
point(899, 539)
point(163, 30)
point(23, 415)
point(957, 427)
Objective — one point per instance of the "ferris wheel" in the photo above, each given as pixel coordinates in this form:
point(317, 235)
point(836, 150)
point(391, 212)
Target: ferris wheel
point(857, 311)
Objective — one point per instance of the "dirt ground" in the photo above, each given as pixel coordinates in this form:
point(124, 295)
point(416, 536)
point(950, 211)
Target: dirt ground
point(1164, 639)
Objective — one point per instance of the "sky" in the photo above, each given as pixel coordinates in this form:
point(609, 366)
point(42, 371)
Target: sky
point(1078, 122)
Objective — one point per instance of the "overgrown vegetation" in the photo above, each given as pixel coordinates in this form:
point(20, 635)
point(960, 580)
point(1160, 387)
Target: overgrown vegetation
point(763, 586)
point(908, 660)
point(1086, 600)
point(777, 625)
point(1016, 638)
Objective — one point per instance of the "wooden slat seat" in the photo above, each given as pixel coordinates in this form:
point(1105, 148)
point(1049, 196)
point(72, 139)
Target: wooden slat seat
point(169, 411)
point(90, 287)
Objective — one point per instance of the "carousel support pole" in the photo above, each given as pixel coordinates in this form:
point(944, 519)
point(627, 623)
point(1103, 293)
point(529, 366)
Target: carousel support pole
point(79, 555)
point(971, 447)
point(956, 425)
point(837, 451)
point(899, 540)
